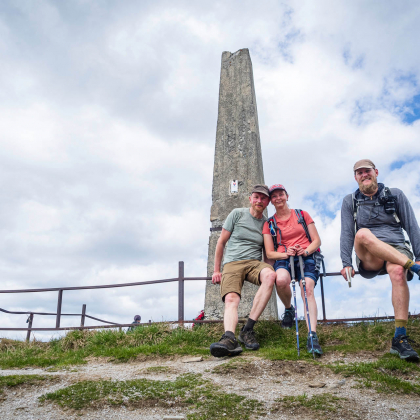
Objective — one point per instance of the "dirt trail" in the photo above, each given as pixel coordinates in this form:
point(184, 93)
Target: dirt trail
point(249, 376)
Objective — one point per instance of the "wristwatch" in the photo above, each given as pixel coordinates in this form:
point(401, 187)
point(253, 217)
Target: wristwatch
point(306, 253)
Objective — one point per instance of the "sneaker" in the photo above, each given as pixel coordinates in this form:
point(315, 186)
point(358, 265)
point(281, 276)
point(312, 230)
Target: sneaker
point(317, 347)
point(226, 346)
point(248, 338)
point(402, 347)
point(288, 318)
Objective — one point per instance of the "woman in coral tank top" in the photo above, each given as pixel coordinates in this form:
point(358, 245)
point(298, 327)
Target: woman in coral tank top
point(293, 241)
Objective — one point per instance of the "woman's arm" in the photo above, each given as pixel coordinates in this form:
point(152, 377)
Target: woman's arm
point(316, 240)
point(269, 249)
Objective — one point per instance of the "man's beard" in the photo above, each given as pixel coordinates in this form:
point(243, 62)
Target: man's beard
point(369, 189)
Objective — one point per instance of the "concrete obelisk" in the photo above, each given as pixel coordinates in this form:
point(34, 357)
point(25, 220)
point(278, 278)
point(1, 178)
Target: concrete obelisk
point(237, 168)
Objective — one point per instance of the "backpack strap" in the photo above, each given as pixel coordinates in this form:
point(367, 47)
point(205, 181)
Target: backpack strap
point(387, 191)
point(355, 208)
point(272, 224)
point(273, 230)
point(301, 220)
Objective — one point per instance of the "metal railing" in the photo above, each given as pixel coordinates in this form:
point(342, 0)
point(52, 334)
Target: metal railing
point(108, 324)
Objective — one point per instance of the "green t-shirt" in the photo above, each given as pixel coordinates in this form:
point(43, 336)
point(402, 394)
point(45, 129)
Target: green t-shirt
point(246, 239)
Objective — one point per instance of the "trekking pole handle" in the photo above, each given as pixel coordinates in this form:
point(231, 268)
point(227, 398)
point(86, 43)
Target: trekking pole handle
point(292, 266)
point(348, 273)
point(301, 265)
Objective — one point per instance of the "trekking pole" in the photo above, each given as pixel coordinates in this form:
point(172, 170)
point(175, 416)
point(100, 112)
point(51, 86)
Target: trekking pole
point(302, 272)
point(348, 272)
point(292, 268)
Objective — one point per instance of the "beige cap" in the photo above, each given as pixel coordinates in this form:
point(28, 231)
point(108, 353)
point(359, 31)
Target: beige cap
point(364, 163)
point(263, 189)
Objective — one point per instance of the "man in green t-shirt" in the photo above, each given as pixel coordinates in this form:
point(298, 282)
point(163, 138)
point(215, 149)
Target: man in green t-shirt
point(242, 232)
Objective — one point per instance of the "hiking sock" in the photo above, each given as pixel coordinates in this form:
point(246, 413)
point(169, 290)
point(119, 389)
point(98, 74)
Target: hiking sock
point(230, 334)
point(400, 327)
point(249, 325)
point(291, 309)
point(412, 266)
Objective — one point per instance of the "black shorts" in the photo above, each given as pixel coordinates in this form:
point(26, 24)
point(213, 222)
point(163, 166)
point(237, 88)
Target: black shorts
point(371, 274)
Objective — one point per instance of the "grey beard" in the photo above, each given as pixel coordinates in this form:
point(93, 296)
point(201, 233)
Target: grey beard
point(369, 189)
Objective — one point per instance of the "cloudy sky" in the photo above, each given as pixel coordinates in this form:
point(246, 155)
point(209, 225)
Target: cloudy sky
point(108, 116)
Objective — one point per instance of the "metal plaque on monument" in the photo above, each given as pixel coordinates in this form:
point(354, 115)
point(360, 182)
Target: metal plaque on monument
point(237, 168)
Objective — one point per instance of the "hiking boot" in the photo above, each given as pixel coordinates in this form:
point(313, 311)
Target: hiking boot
point(248, 338)
point(402, 347)
point(288, 318)
point(317, 347)
point(226, 346)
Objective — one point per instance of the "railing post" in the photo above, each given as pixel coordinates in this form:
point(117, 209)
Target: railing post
point(60, 299)
point(181, 291)
point(322, 297)
point(82, 319)
point(29, 321)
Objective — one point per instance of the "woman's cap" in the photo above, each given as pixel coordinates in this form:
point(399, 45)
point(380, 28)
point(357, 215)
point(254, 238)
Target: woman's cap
point(277, 187)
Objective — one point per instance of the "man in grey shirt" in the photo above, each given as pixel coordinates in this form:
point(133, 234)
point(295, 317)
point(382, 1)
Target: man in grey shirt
point(242, 232)
point(372, 220)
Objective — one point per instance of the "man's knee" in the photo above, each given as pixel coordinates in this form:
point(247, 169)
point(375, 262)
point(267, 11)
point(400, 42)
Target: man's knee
point(397, 274)
point(232, 299)
point(364, 236)
point(267, 277)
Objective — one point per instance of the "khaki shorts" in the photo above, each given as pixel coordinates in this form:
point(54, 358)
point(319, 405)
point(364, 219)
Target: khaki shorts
point(404, 249)
point(236, 272)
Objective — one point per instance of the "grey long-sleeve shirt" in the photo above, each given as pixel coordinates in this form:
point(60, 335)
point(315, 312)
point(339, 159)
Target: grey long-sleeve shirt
point(382, 225)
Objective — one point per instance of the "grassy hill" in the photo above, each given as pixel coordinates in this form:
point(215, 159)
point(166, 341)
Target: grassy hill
point(375, 369)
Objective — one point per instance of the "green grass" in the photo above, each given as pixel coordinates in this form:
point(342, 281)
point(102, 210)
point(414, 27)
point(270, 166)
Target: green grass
point(323, 403)
point(388, 374)
point(198, 396)
point(158, 369)
point(164, 340)
point(16, 380)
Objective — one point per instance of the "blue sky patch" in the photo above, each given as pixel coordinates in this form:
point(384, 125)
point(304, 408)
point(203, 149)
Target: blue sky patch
point(326, 204)
point(412, 110)
point(398, 164)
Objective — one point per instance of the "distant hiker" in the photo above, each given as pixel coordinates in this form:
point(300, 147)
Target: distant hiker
point(137, 320)
point(373, 219)
point(288, 233)
point(242, 232)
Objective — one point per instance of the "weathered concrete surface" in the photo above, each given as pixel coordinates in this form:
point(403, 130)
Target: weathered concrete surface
point(237, 157)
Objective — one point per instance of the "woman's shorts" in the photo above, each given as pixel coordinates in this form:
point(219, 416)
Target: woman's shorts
point(309, 268)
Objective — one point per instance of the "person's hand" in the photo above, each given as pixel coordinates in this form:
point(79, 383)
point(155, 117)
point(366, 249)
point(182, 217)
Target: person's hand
point(344, 274)
point(291, 252)
point(299, 250)
point(216, 278)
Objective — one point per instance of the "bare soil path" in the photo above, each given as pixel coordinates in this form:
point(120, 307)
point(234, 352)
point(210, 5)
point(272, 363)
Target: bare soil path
point(247, 375)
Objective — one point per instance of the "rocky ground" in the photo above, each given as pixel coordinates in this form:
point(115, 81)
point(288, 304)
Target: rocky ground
point(248, 375)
